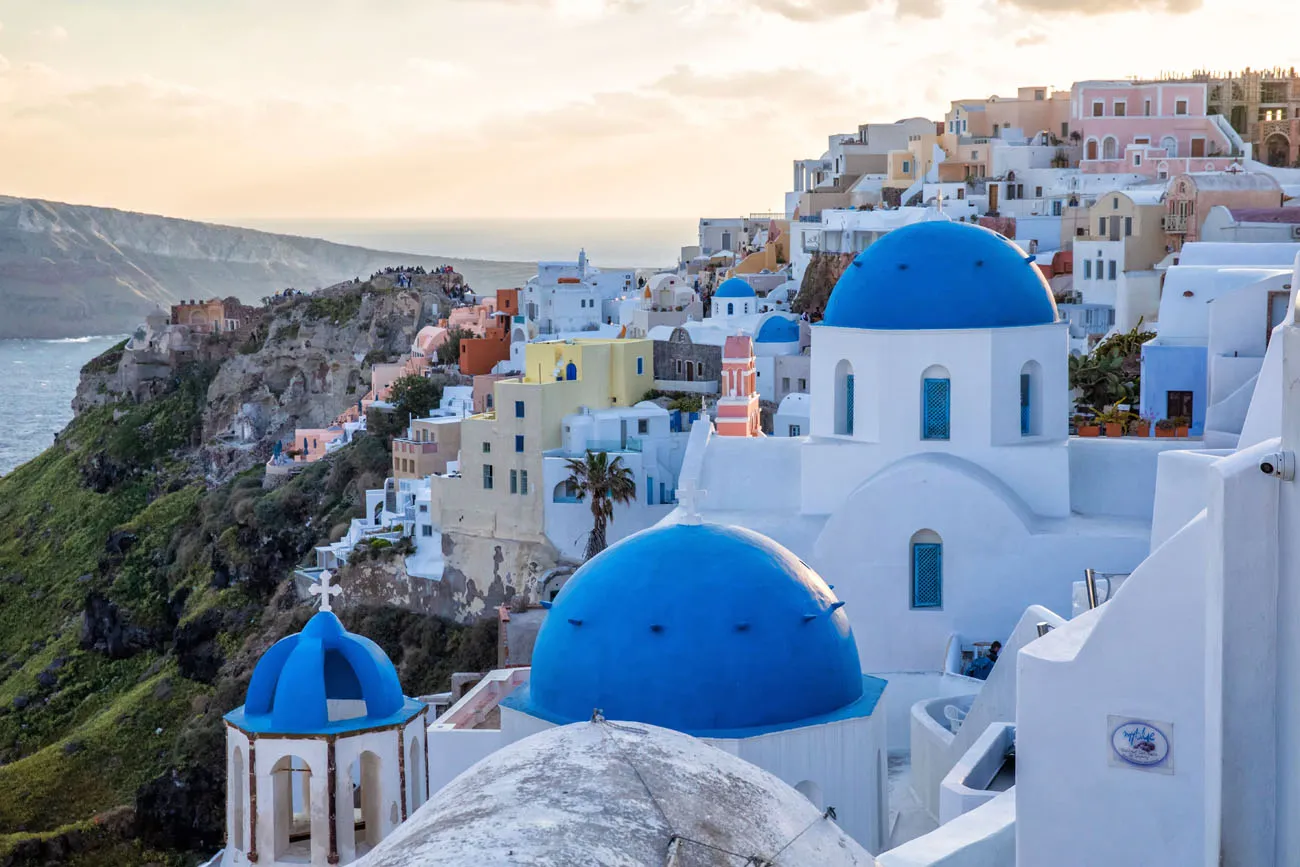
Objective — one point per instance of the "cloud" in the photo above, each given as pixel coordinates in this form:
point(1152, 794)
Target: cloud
point(55, 33)
point(1105, 7)
point(811, 11)
point(1030, 39)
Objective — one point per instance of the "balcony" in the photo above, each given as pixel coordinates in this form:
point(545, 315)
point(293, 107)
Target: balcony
point(1174, 224)
point(412, 447)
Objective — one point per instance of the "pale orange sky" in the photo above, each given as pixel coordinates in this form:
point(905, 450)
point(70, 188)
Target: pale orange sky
point(221, 109)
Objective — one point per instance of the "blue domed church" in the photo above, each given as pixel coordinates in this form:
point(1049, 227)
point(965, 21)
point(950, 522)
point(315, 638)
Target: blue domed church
point(326, 756)
point(714, 631)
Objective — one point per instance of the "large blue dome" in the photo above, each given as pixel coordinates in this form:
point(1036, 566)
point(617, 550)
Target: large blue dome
point(778, 329)
point(735, 288)
point(941, 275)
point(698, 628)
point(297, 679)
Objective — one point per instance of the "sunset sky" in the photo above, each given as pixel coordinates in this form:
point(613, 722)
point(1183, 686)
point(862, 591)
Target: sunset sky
point(223, 109)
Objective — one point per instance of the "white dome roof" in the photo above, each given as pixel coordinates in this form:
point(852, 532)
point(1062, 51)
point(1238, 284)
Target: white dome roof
point(580, 794)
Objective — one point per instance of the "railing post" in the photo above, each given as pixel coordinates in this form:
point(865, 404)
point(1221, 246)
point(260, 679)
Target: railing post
point(1090, 580)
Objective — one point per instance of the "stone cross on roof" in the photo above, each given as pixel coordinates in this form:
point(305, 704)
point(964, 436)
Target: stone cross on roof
point(690, 497)
point(325, 590)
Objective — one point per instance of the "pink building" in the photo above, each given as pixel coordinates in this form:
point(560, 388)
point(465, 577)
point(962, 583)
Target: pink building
point(311, 444)
point(1158, 130)
point(1192, 196)
point(738, 412)
point(477, 319)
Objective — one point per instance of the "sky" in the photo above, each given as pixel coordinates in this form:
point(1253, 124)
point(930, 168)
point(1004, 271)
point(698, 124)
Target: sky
point(420, 109)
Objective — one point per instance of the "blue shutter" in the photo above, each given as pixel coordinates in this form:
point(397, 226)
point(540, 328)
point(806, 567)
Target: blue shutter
point(935, 409)
point(848, 404)
point(1025, 417)
point(649, 490)
point(927, 575)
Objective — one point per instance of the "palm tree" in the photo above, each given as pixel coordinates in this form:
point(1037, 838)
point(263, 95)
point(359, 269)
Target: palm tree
point(606, 482)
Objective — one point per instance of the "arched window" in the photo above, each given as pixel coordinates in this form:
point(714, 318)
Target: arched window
point(1031, 380)
point(936, 411)
point(731, 308)
point(565, 492)
point(571, 371)
point(1170, 144)
point(235, 785)
point(927, 570)
point(844, 398)
point(1110, 148)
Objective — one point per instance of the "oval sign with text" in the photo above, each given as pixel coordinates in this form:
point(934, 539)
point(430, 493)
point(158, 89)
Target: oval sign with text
point(1140, 743)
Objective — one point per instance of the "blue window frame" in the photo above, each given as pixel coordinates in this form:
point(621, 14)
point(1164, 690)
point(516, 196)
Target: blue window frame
point(731, 308)
point(927, 575)
point(935, 409)
point(519, 442)
point(1026, 411)
point(640, 366)
point(523, 481)
point(487, 477)
point(519, 409)
point(649, 490)
point(848, 404)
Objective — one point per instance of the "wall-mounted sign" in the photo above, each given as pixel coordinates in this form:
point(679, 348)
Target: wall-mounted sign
point(1140, 744)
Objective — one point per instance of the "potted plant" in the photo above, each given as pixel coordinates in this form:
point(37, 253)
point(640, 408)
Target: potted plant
point(1165, 428)
point(1140, 427)
point(1086, 427)
point(1182, 426)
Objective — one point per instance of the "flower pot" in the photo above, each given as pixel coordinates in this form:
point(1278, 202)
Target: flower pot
point(1165, 432)
point(1114, 429)
point(1182, 432)
point(1144, 429)
point(1089, 430)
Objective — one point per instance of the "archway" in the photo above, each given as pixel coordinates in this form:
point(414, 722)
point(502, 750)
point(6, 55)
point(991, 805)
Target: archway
point(414, 777)
point(235, 786)
point(1277, 149)
point(811, 791)
point(1110, 148)
point(291, 809)
point(367, 802)
point(1170, 145)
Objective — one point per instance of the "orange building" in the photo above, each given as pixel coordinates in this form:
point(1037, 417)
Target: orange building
point(738, 410)
point(213, 316)
point(478, 355)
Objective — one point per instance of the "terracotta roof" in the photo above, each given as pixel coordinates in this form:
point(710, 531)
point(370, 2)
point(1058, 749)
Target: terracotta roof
point(1265, 215)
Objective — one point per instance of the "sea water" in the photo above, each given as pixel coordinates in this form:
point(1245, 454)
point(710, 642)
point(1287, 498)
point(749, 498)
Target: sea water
point(38, 379)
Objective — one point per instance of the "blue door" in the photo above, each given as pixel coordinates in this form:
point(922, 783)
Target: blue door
point(935, 409)
point(571, 372)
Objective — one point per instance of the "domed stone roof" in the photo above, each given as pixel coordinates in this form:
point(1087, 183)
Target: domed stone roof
point(941, 275)
point(735, 288)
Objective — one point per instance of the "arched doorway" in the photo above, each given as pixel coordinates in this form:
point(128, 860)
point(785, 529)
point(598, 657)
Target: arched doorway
point(571, 371)
point(1110, 148)
point(291, 809)
point(1277, 150)
point(367, 802)
point(1170, 145)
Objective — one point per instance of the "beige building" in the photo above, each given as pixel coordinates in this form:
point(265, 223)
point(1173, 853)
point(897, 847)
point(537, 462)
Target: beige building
point(432, 444)
point(1263, 105)
point(1191, 197)
point(1032, 110)
point(1114, 259)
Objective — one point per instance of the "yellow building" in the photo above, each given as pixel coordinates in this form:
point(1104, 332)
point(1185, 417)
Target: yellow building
point(498, 496)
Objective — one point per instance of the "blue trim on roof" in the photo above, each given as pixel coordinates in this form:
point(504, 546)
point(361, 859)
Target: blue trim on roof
point(410, 709)
point(872, 689)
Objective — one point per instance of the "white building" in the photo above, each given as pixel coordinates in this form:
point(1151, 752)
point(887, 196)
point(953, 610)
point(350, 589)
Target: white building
point(573, 296)
point(708, 630)
point(641, 438)
point(794, 416)
point(326, 757)
point(734, 297)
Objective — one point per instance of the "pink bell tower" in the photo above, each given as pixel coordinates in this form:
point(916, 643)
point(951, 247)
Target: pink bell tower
point(738, 414)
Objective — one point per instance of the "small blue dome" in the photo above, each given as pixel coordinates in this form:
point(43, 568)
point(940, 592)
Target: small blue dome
point(698, 628)
point(296, 679)
point(734, 288)
point(778, 329)
point(941, 275)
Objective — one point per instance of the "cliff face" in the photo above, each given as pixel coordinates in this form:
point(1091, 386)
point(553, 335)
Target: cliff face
point(71, 270)
point(824, 271)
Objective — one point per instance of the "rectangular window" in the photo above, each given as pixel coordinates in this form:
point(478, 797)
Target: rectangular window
point(1146, 107)
point(1128, 227)
point(1087, 269)
point(487, 477)
point(794, 430)
point(679, 367)
point(907, 167)
point(642, 426)
point(1101, 226)
point(1114, 203)
point(426, 531)
point(699, 369)
point(1098, 108)
point(1137, 160)
point(1121, 109)
point(1110, 270)
point(519, 443)
point(1065, 130)
point(523, 481)
point(803, 385)
point(935, 409)
point(1038, 192)
point(848, 405)
point(1180, 107)
point(1026, 417)
point(640, 366)
point(519, 409)
point(514, 481)
point(785, 383)
point(1178, 404)
point(487, 448)
point(927, 575)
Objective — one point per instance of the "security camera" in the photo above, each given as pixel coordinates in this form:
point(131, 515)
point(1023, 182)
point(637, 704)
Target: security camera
point(1279, 464)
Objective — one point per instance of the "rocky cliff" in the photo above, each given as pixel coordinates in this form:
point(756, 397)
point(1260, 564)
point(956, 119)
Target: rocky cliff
point(71, 270)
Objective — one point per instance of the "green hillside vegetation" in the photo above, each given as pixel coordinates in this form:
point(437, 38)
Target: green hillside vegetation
point(134, 601)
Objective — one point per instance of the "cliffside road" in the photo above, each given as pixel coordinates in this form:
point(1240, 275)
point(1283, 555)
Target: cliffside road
point(73, 270)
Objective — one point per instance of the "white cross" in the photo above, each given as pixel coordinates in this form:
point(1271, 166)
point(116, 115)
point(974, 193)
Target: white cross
point(325, 590)
point(690, 497)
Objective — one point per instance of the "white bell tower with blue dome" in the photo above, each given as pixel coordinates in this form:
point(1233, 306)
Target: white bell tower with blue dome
point(942, 338)
point(326, 757)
